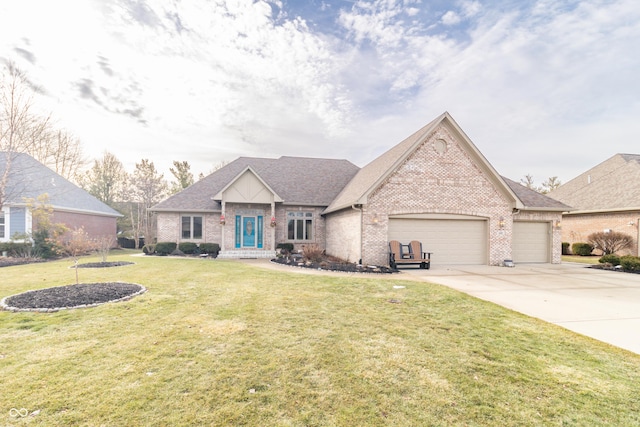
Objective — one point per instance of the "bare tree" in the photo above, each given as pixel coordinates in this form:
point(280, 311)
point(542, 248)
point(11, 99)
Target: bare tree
point(528, 182)
point(60, 151)
point(75, 244)
point(107, 180)
point(610, 242)
point(19, 125)
point(148, 187)
point(550, 184)
point(102, 245)
point(184, 178)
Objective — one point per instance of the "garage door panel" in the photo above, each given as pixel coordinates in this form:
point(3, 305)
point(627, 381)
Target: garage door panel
point(451, 241)
point(530, 242)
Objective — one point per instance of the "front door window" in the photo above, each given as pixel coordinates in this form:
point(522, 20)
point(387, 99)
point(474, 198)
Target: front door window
point(249, 230)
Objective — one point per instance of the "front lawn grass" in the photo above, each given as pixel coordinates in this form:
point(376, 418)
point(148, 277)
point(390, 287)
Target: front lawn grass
point(592, 259)
point(216, 342)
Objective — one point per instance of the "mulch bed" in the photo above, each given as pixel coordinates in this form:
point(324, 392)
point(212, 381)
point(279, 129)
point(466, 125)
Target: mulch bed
point(71, 296)
point(333, 265)
point(105, 264)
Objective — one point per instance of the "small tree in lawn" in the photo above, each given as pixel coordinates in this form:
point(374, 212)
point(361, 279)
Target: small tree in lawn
point(611, 242)
point(75, 244)
point(103, 245)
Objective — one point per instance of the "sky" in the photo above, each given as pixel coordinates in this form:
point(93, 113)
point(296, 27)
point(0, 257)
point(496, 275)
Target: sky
point(542, 88)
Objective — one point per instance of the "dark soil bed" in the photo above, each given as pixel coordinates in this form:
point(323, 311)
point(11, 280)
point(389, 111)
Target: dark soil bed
point(71, 296)
point(104, 264)
point(333, 265)
point(610, 267)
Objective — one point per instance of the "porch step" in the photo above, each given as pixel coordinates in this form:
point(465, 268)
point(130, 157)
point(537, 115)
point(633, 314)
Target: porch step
point(238, 254)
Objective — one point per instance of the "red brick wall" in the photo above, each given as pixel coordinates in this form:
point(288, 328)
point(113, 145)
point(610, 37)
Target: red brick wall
point(94, 225)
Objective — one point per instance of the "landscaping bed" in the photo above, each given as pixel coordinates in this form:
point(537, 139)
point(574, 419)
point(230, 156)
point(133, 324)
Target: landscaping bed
point(71, 296)
point(104, 264)
point(332, 264)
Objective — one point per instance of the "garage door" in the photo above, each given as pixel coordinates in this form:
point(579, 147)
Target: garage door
point(451, 241)
point(530, 242)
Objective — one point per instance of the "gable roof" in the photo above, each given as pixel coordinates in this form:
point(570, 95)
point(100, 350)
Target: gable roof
point(533, 200)
point(248, 169)
point(613, 185)
point(29, 178)
point(297, 180)
point(372, 175)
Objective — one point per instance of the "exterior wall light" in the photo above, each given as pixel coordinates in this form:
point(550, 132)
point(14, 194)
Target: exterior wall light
point(558, 224)
point(501, 222)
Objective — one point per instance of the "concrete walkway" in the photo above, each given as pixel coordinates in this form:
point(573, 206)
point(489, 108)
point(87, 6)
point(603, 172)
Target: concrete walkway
point(604, 305)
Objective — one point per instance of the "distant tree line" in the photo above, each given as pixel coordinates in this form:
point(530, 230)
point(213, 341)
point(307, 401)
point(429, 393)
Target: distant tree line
point(24, 130)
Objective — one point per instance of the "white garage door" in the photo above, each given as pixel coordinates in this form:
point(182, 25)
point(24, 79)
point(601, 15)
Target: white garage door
point(451, 241)
point(530, 242)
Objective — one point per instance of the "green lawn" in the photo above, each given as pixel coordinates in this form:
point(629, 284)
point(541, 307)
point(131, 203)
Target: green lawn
point(222, 343)
point(581, 259)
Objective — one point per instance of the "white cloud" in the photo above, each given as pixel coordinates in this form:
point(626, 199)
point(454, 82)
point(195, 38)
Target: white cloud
point(451, 18)
point(206, 81)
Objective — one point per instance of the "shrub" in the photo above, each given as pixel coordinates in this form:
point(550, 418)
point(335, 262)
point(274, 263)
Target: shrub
point(286, 248)
point(165, 248)
point(610, 242)
point(188, 248)
point(312, 253)
point(210, 248)
point(610, 259)
point(17, 249)
point(565, 248)
point(149, 249)
point(582, 249)
point(630, 263)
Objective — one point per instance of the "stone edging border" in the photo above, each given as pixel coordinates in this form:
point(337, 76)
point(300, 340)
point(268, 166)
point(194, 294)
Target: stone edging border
point(4, 306)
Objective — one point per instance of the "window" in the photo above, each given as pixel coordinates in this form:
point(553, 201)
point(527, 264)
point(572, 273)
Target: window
point(192, 227)
point(1, 225)
point(300, 225)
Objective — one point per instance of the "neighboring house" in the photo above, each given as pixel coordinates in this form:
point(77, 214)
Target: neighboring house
point(72, 206)
point(606, 197)
point(435, 187)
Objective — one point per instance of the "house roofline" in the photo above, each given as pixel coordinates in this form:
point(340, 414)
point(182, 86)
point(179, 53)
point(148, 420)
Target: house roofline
point(71, 210)
point(597, 211)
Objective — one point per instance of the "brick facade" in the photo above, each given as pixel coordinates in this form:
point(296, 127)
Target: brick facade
point(434, 182)
point(213, 232)
point(344, 234)
point(94, 225)
point(577, 227)
point(431, 181)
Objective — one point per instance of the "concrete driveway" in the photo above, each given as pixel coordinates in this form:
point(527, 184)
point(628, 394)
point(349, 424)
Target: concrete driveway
point(604, 305)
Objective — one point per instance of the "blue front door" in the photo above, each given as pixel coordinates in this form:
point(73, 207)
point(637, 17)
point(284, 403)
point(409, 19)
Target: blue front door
point(249, 230)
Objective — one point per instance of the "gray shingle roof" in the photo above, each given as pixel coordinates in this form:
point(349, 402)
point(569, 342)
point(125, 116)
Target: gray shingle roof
point(29, 178)
point(612, 185)
point(366, 179)
point(297, 180)
point(533, 200)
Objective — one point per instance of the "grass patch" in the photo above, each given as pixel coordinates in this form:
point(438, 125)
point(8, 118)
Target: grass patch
point(217, 342)
point(593, 259)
